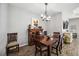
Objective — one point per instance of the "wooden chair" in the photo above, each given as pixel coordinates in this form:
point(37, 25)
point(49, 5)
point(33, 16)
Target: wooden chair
point(12, 43)
point(56, 34)
point(61, 43)
point(45, 32)
point(33, 35)
point(57, 45)
point(38, 46)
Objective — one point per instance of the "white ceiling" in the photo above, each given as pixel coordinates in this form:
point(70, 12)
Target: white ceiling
point(53, 8)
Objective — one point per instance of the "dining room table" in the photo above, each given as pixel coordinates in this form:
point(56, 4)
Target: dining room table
point(48, 42)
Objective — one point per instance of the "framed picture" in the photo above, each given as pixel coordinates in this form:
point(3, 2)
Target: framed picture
point(65, 24)
point(35, 22)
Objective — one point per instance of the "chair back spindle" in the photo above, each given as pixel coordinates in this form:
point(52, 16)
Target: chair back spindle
point(11, 37)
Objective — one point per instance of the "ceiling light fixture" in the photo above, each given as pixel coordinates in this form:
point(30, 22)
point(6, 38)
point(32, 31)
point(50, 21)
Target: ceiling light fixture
point(45, 16)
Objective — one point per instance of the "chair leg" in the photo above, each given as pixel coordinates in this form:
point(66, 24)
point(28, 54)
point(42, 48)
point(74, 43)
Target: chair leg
point(6, 51)
point(18, 48)
point(57, 52)
point(35, 51)
point(60, 49)
point(40, 53)
point(61, 45)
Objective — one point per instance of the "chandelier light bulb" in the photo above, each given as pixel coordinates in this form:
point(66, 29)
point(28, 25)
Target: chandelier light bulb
point(49, 17)
point(42, 15)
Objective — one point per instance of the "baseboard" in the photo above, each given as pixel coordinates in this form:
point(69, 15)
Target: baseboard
point(23, 45)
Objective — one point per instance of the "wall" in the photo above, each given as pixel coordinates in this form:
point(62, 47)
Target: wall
point(55, 25)
point(74, 22)
point(3, 27)
point(19, 19)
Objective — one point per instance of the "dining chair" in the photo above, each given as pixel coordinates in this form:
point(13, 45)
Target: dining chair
point(33, 35)
point(56, 34)
point(61, 44)
point(39, 47)
point(58, 45)
point(12, 43)
point(45, 32)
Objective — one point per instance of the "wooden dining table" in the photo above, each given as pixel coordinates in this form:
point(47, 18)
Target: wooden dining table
point(48, 42)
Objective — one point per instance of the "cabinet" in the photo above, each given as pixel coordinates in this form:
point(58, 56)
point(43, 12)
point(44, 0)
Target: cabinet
point(30, 33)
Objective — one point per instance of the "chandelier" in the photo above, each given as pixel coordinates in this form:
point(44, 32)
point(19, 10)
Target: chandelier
point(45, 16)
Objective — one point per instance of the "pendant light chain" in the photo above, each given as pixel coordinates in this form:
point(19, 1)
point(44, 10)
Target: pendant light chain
point(46, 8)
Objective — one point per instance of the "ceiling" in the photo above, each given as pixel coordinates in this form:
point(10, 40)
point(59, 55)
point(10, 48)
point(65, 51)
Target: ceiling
point(53, 8)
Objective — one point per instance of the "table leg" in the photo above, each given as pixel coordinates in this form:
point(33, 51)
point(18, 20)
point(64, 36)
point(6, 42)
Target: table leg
point(49, 53)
